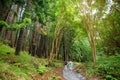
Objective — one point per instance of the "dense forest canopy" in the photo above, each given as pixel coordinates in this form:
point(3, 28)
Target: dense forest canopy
point(71, 27)
point(76, 22)
point(81, 30)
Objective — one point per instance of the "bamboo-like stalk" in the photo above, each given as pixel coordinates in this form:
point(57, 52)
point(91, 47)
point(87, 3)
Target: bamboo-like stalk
point(57, 31)
point(86, 11)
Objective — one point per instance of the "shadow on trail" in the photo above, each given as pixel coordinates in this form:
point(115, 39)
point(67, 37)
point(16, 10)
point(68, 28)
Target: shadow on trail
point(72, 75)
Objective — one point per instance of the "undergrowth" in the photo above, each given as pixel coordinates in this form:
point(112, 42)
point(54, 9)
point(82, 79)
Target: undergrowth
point(108, 67)
point(21, 67)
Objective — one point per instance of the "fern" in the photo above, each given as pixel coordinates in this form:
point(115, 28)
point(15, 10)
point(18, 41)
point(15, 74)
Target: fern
point(27, 20)
point(109, 68)
point(16, 25)
point(3, 23)
point(42, 69)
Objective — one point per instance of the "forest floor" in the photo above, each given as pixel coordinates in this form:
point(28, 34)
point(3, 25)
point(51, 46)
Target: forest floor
point(26, 67)
point(55, 74)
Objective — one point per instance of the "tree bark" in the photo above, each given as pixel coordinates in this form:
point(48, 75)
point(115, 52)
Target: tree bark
point(32, 49)
point(64, 54)
point(89, 24)
point(4, 11)
point(19, 42)
point(42, 48)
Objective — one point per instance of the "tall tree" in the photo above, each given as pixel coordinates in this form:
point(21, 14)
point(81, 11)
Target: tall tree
point(21, 34)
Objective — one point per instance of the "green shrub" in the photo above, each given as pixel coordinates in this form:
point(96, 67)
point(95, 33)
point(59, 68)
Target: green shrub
point(23, 65)
point(42, 69)
point(4, 23)
point(109, 77)
point(20, 72)
point(109, 67)
point(91, 70)
point(24, 57)
point(6, 66)
point(57, 63)
point(5, 49)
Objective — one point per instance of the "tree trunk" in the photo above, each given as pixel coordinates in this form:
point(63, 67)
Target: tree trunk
point(56, 32)
point(64, 54)
point(4, 11)
point(19, 42)
point(16, 37)
point(42, 48)
point(12, 39)
point(24, 38)
point(89, 24)
point(32, 49)
point(8, 34)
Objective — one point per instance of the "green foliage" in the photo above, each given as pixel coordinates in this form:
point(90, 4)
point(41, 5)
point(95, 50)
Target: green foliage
point(20, 68)
point(12, 72)
point(6, 51)
point(23, 24)
point(109, 77)
point(81, 50)
point(6, 66)
point(44, 66)
point(4, 41)
point(109, 68)
point(23, 65)
point(42, 69)
point(21, 72)
point(16, 25)
point(23, 58)
point(27, 20)
point(91, 70)
point(3, 23)
point(109, 31)
point(5, 3)
point(57, 63)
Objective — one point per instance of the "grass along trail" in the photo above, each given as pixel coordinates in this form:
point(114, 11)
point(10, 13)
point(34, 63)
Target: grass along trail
point(55, 74)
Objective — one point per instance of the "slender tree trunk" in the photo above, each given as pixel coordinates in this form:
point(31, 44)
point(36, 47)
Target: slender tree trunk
point(8, 34)
point(16, 37)
point(4, 11)
point(57, 31)
point(89, 24)
point(12, 39)
point(42, 48)
point(32, 49)
point(24, 38)
point(48, 46)
point(21, 34)
point(19, 42)
point(64, 54)
point(3, 33)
